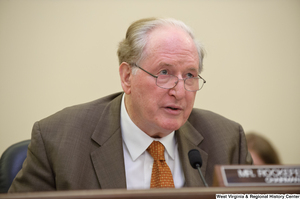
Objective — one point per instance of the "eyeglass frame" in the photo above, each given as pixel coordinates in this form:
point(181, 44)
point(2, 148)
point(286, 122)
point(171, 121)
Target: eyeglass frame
point(176, 82)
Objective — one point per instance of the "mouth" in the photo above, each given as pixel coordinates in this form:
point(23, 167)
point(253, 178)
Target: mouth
point(173, 109)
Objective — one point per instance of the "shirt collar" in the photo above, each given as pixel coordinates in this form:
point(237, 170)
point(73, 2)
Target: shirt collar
point(138, 141)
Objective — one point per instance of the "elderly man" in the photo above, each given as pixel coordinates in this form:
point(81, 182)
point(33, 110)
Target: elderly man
point(139, 138)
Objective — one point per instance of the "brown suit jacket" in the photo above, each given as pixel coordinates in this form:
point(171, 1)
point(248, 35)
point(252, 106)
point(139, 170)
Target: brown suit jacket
point(80, 147)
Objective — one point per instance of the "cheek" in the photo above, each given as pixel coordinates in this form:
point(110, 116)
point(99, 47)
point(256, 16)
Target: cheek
point(145, 95)
point(190, 99)
point(190, 103)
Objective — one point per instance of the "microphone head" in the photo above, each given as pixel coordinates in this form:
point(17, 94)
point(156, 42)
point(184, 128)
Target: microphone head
point(195, 158)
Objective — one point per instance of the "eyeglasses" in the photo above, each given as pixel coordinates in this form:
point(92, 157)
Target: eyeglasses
point(170, 81)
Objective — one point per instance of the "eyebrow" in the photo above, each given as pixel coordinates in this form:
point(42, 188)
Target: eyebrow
point(171, 65)
point(165, 64)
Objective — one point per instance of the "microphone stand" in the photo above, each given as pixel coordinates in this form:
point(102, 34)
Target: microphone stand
point(202, 178)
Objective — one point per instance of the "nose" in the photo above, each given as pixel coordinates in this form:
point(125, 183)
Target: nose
point(178, 91)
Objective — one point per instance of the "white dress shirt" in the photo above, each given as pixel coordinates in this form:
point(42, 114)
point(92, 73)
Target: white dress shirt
point(138, 162)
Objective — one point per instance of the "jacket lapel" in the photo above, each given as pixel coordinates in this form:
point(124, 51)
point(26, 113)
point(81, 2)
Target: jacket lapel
point(189, 138)
point(108, 160)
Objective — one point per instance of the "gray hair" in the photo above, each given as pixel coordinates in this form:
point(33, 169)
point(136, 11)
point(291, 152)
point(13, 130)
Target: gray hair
point(131, 49)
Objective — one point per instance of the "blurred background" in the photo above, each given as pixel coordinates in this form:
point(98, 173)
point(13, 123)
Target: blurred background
point(58, 53)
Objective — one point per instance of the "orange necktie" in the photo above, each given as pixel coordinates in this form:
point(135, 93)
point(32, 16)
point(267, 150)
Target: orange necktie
point(161, 176)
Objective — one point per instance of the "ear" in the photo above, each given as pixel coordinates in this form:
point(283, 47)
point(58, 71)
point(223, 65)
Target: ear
point(125, 75)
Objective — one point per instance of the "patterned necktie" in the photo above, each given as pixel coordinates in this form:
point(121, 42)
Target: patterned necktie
point(161, 176)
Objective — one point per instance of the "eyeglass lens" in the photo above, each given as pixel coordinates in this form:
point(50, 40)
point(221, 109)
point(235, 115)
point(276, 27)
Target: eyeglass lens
point(169, 81)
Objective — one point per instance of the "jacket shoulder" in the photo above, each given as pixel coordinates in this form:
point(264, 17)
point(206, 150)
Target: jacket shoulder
point(209, 119)
point(89, 110)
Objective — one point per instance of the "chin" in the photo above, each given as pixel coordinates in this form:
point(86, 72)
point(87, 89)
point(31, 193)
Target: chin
point(171, 126)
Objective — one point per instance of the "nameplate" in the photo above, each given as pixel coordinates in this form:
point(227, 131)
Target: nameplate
point(262, 175)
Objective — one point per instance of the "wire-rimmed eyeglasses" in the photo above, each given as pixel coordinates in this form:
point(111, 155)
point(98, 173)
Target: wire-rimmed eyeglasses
point(170, 81)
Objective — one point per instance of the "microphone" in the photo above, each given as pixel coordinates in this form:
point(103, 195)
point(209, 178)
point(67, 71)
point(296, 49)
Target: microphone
point(196, 162)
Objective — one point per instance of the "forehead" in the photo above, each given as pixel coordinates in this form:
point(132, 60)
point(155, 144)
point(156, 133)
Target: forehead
point(169, 42)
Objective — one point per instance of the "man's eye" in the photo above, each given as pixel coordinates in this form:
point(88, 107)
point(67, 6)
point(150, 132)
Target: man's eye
point(190, 75)
point(163, 72)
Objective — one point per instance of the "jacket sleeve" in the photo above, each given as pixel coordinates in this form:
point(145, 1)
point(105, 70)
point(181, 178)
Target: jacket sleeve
point(245, 156)
point(36, 173)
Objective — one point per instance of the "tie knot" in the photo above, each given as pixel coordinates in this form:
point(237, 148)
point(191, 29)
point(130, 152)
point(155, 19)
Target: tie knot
point(156, 150)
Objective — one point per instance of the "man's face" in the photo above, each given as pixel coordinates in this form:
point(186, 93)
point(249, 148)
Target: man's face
point(155, 110)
